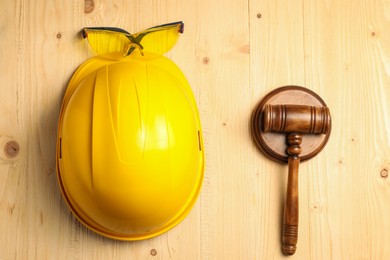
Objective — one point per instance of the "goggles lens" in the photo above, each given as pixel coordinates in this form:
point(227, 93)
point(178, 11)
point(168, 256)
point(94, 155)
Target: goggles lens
point(158, 39)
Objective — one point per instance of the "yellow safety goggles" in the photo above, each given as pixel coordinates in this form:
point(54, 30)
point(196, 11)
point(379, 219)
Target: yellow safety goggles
point(158, 39)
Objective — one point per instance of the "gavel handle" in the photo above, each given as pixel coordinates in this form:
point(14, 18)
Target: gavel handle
point(291, 210)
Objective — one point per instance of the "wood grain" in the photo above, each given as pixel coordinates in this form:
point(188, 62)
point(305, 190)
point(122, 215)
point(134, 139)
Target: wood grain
point(233, 53)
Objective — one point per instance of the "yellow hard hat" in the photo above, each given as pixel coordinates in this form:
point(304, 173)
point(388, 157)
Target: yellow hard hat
point(130, 157)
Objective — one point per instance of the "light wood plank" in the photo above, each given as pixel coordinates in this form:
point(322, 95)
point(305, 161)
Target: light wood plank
point(346, 48)
point(277, 59)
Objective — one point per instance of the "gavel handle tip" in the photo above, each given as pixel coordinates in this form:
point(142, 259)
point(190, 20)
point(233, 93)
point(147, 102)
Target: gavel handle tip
point(289, 239)
point(289, 249)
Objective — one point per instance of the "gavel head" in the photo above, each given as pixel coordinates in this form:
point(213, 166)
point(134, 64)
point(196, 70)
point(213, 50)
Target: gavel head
point(291, 116)
point(296, 119)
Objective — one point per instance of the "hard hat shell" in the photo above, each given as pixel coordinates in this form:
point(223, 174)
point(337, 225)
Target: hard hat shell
point(130, 156)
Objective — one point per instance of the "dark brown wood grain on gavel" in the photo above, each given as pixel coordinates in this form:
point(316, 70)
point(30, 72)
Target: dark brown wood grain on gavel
point(294, 120)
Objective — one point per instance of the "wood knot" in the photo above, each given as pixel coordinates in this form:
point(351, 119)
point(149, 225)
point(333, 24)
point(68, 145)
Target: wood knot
point(245, 49)
point(206, 60)
point(11, 208)
point(384, 173)
point(89, 5)
point(315, 207)
point(11, 149)
point(153, 252)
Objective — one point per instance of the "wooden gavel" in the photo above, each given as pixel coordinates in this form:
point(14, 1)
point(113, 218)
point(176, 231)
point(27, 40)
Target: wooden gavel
point(306, 125)
point(294, 120)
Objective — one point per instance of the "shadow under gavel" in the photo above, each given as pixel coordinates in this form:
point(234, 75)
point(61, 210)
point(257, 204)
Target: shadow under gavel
point(294, 121)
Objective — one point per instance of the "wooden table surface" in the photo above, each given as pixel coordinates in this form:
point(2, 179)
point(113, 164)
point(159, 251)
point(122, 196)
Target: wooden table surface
point(233, 53)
